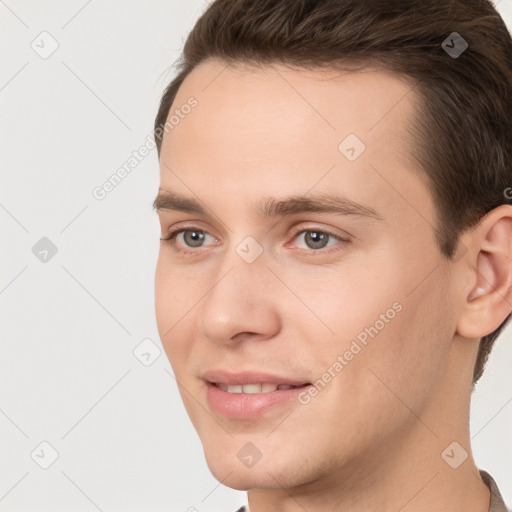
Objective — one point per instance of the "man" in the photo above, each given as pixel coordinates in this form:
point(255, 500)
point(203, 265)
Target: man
point(335, 262)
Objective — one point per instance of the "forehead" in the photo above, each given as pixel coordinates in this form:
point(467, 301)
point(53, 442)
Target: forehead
point(335, 97)
point(267, 128)
point(276, 107)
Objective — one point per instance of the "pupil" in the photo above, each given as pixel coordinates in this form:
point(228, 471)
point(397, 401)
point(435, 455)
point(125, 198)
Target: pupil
point(196, 237)
point(317, 239)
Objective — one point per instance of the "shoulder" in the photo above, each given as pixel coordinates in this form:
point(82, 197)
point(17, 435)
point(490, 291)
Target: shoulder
point(496, 503)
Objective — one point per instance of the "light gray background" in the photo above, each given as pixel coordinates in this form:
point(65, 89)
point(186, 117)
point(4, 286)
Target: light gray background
point(69, 326)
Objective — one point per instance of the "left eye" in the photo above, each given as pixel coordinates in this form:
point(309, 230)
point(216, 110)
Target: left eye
point(315, 239)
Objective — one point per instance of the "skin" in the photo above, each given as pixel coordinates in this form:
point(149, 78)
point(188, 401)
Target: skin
point(372, 438)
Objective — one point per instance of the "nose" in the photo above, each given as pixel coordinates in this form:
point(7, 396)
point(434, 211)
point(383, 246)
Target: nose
point(241, 303)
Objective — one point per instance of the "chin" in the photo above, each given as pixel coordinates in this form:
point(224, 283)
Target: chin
point(236, 477)
point(265, 474)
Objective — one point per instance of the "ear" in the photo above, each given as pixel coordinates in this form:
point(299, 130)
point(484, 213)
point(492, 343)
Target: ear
point(487, 294)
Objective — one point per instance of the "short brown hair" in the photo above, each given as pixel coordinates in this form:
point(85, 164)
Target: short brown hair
point(463, 123)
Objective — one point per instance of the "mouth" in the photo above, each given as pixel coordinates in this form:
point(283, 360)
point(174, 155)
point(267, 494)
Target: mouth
point(246, 398)
point(265, 387)
point(250, 394)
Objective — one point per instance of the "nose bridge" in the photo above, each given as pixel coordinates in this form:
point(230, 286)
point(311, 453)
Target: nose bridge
point(242, 273)
point(240, 297)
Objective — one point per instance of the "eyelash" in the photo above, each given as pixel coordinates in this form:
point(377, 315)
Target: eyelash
point(170, 239)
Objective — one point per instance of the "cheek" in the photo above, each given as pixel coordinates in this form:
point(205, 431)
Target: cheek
point(346, 300)
point(163, 298)
point(384, 321)
point(170, 307)
point(175, 292)
point(401, 364)
point(409, 355)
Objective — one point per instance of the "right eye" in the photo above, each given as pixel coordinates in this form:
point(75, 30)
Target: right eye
point(191, 237)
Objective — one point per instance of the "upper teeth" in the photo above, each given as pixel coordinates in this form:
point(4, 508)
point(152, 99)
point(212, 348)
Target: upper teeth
point(253, 388)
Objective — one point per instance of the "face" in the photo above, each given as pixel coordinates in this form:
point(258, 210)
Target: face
point(309, 260)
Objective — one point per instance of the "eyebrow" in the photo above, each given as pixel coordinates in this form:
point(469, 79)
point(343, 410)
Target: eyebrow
point(273, 207)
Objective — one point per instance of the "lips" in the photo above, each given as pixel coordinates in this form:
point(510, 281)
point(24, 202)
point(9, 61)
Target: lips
point(250, 394)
